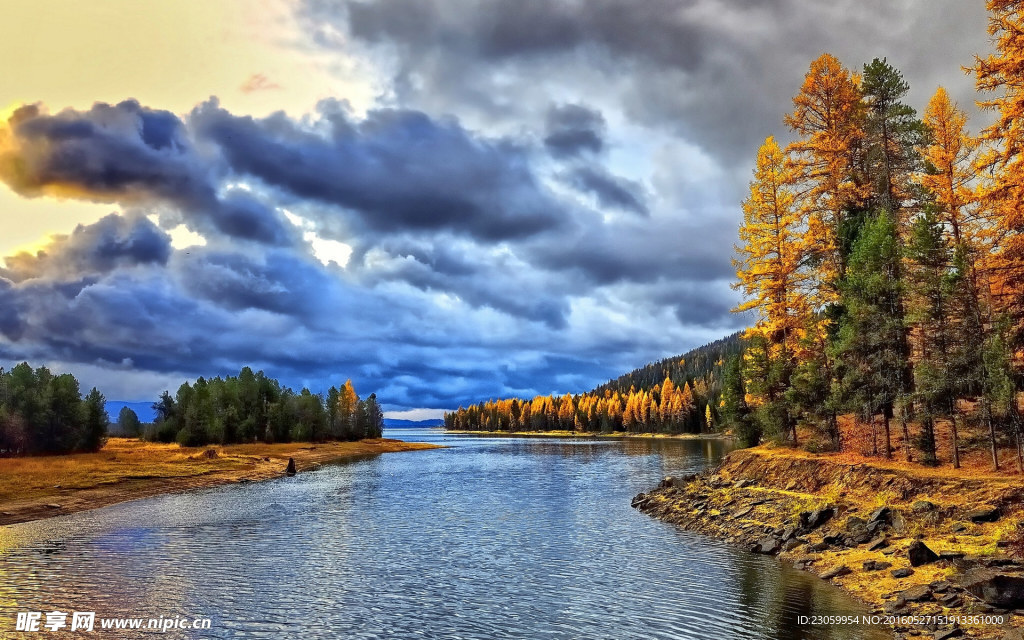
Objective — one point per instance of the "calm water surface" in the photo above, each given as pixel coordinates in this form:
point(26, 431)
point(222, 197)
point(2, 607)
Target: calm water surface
point(491, 538)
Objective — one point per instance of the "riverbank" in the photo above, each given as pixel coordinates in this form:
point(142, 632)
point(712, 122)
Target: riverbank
point(927, 549)
point(127, 469)
point(617, 435)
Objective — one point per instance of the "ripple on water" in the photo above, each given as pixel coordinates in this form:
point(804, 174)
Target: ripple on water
point(492, 538)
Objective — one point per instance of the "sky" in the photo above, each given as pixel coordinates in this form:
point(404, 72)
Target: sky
point(445, 201)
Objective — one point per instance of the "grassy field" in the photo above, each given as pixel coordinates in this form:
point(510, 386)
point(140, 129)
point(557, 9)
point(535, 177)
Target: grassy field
point(125, 469)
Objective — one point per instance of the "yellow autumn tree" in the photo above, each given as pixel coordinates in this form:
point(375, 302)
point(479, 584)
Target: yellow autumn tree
point(828, 117)
point(1002, 76)
point(770, 260)
point(950, 157)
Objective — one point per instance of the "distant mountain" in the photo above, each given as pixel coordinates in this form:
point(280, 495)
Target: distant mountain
point(395, 423)
point(703, 363)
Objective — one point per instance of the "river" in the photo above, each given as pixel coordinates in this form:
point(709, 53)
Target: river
point(489, 538)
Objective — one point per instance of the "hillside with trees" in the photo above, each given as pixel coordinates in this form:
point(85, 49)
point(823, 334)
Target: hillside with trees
point(882, 252)
point(252, 407)
point(675, 395)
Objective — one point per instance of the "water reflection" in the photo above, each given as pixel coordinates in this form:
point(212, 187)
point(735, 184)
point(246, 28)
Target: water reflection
point(492, 538)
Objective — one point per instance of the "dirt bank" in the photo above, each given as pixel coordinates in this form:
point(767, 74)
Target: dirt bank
point(127, 469)
point(929, 553)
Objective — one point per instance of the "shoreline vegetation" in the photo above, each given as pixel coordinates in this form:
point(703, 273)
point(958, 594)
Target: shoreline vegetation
point(907, 541)
point(616, 435)
point(38, 487)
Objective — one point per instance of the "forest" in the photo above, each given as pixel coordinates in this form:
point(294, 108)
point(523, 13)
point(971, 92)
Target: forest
point(252, 407)
point(45, 413)
point(675, 395)
point(883, 255)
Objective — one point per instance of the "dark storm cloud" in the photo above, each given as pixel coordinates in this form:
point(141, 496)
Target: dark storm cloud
point(114, 241)
point(611, 191)
point(719, 72)
point(127, 154)
point(397, 169)
point(573, 129)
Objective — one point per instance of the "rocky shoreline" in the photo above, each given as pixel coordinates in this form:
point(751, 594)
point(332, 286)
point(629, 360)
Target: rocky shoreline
point(930, 567)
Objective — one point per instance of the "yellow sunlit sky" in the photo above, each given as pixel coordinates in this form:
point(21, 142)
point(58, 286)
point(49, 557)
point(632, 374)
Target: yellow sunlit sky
point(165, 54)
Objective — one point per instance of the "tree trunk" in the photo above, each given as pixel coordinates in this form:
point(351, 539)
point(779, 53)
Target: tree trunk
point(956, 443)
point(874, 434)
point(887, 416)
point(906, 434)
point(992, 437)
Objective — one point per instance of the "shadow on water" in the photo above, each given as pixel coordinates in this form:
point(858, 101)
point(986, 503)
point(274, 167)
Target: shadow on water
point(490, 538)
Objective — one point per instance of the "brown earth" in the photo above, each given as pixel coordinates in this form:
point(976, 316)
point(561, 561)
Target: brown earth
point(765, 499)
point(127, 469)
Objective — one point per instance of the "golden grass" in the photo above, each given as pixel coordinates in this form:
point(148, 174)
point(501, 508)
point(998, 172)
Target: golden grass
point(127, 468)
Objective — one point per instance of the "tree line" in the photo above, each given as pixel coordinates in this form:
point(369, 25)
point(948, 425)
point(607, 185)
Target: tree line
point(252, 407)
point(45, 413)
point(675, 395)
point(883, 254)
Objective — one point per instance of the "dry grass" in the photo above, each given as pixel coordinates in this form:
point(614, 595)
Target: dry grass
point(127, 468)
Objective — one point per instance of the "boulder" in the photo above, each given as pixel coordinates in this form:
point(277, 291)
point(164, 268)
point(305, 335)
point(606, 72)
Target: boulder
point(995, 587)
point(918, 593)
point(950, 555)
point(789, 533)
point(791, 544)
point(901, 573)
point(878, 543)
point(923, 506)
point(881, 514)
point(853, 523)
point(876, 565)
point(638, 500)
point(841, 570)
point(984, 514)
point(920, 554)
point(677, 481)
point(769, 546)
point(946, 634)
point(811, 520)
point(950, 600)
point(290, 470)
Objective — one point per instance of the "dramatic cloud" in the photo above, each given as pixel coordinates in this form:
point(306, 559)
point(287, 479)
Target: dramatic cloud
point(544, 194)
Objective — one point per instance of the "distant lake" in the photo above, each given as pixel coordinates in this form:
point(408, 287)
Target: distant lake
point(491, 538)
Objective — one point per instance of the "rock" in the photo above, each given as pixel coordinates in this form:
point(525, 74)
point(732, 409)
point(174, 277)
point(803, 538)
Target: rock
point(862, 538)
point(817, 547)
point(876, 565)
point(792, 485)
point(290, 470)
point(677, 481)
point(811, 520)
point(955, 632)
point(638, 500)
point(881, 514)
point(896, 521)
point(742, 484)
point(995, 587)
point(742, 512)
point(951, 600)
point(901, 573)
point(940, 586)
point(1014, 634)
point(832, 539)
point(918, 593)
point(54, 506)
point(835, 573)
point(878, 543)
point(959, 527)
point(920, 554)
point(791, 544)
point(985, 514)
point(789, 533)
point(769, 546)
point(923, 506)
point(853, 523)
point(950, 555)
